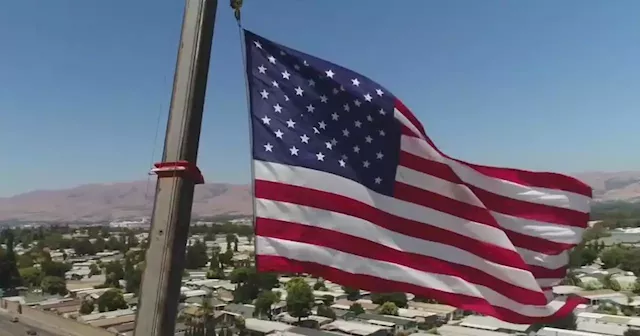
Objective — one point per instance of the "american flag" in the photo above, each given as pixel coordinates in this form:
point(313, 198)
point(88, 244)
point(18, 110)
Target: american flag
point(349, 187)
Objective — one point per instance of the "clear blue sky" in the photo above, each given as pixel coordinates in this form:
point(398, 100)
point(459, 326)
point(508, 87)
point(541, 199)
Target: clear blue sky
point(546, 85)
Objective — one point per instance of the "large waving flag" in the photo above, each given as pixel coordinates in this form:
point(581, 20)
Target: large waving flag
point(349, 187)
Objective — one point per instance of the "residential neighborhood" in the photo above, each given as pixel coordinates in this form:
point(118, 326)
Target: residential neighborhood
point(84, 280)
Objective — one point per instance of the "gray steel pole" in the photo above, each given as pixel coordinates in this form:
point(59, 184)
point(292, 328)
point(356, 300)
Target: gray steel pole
point(160, 289)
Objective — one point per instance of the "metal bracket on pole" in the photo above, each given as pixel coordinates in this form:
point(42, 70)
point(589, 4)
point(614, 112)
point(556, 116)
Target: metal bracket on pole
point(183, 169)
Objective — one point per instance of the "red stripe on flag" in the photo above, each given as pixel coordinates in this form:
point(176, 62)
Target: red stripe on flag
point(522, 177)
point(494, 202)
point(337, 203)
point(266, 263)
point(361, 247)
point(444, 204)
point(463, 210)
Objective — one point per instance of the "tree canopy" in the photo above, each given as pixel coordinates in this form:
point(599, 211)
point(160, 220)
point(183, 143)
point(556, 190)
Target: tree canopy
point(264, 302)
point(399, 299)
point(87, 307)
point(388, 308)
point(10, 278)
point(196, 255)
point(356, 308)
point(299, 298)
point(54, 285)
point(250, 283)
point(111, 300)
point(326, 311)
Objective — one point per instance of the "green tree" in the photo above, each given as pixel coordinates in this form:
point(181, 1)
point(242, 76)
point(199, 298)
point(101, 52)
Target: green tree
point(589, 255)
point(636, 287)
point(612, 284)
point(264, 302)
point(388, 308)
point(352, 293)
point(31, 276)
point(84, 247)
point(104, 232)
point(54, 269)
point(230, 239)
point(25, 260)
point(113, 243)
point(54, 241)
point(114, 273)
point(613, 256)
point(93, 232)
point(206, 308)
point(132, 240)
point(356, 308)
point(399, 299)
point(319, 285)
point(87, 307)
point(571, 279)
point(595, 232)
point(54, 285)
point(606, 281)
point(111, 300)
point(214, 262)
point(328, 299)
point(196, 256)
point(94, 270)
point(226, 258)
point(600, 246)
point(10, 278)
point(583, 254)
point(133, 280)
point(425, 299)
point(250, 283)
point(215, 274)
point(325, 311)
point(240, 275)
point(631, 262)
point(99, 244)
point(299, 298)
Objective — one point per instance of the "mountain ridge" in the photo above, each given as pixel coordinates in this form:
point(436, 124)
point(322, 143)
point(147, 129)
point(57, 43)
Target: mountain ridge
point(126, 200)
point(121, 200)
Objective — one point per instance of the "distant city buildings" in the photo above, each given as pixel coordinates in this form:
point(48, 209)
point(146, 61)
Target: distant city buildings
point(144, 222)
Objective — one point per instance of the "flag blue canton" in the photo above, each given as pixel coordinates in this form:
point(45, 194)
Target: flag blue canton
point(311, 113)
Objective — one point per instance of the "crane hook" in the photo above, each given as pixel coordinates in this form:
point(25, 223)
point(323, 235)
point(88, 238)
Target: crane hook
point(236, 5)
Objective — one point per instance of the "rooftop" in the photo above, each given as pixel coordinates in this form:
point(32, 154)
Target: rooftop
point(265, 327)
point(546, 331)
point(401, 321)
point(306, 332)
point(491, 323)
point(352, 327)
point(244, 310)
point(450, 330)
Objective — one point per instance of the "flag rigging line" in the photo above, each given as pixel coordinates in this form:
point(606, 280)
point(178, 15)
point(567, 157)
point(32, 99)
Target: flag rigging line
point(236, 5)
point(348, 186)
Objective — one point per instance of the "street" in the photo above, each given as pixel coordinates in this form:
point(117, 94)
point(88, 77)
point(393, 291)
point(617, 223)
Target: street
point(8, 328)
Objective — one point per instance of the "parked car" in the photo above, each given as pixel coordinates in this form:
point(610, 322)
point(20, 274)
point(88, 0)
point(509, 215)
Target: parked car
point(14, 319)
point(31, 332)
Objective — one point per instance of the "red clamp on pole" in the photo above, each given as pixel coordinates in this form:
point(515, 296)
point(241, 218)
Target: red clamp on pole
point(171, 169)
